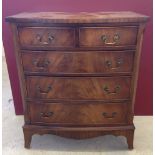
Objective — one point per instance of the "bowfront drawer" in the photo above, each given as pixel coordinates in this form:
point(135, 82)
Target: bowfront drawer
point(77, 62)
point(78, 88)
point(108, 36)
point(78, 114)
point(43, 37)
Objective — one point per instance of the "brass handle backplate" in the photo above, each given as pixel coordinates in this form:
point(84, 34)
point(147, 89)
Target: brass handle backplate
point(116, 38)
point(118, 64)
point(116, 90)
point(46, 114)
point(41, 64)
point(40, 39)
point(49, 88)
point(109, 116)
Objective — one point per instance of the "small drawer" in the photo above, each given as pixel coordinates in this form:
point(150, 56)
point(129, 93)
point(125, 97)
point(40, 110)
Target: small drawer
point(46, 37)
point(107, 36)
point(78, 88)
point(78, 114)
point(78, 62)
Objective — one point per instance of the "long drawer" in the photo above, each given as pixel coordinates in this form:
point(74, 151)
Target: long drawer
point(78, 88)
point(78, 62)
point(78, 114)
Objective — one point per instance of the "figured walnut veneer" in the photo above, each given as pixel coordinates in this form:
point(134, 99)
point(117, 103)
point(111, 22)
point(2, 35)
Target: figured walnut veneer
point(78, 72)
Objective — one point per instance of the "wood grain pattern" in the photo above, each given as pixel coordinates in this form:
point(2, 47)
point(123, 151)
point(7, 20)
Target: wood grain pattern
point(82, 17)
point(92, 36)
point(46, 37)
point(78, 72)
point(78, 114)
point(20, 72)
point(78, 62)
point(77, 88)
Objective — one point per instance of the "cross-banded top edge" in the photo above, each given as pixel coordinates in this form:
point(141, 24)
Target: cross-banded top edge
point(80, 17)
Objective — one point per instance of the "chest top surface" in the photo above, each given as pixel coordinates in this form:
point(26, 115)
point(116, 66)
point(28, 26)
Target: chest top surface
point(81, 17)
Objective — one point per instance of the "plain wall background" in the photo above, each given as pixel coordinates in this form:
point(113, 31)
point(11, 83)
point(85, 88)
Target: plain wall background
point(143, 105)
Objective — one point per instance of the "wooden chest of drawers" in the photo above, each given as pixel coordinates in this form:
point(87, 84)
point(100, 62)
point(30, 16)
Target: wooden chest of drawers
point(78, 72)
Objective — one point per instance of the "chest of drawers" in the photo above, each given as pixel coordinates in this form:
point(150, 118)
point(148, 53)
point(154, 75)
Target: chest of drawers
point(78, 72)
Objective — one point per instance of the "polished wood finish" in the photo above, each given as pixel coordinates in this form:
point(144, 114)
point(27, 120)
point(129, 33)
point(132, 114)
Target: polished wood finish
point(107, 36)
point(78, 72)
point(46, 37)
point(80, 132)
point(82, 17)
point(76, 88)
point(91, 62)
point(78, 114)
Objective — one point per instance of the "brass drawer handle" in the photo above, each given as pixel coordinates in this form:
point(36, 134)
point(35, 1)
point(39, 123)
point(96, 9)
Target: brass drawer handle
point(49, 88)
point(40, 40)
point(46, 114)
point(109, 117)
point(116, 90)
point(119, 62)
point(41, 64)
point(115, 39)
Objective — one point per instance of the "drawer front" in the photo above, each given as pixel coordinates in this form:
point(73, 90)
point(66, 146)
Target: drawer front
point(78, 88)
point(108, 36)
point(44, 37)
point(77, 62)
point(78, 114)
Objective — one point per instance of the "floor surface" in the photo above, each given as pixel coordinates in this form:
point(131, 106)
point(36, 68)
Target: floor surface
point(13, 142)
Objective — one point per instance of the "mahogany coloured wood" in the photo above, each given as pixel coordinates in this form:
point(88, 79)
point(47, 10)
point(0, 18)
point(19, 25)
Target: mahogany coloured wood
point(78, 72)
point(82, 62)
point(107, 36)
point(76, 88)
point(78, 17)
point(78, 114)
point(46, 37)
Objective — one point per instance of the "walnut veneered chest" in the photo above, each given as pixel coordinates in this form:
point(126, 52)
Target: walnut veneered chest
point(78, 72)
